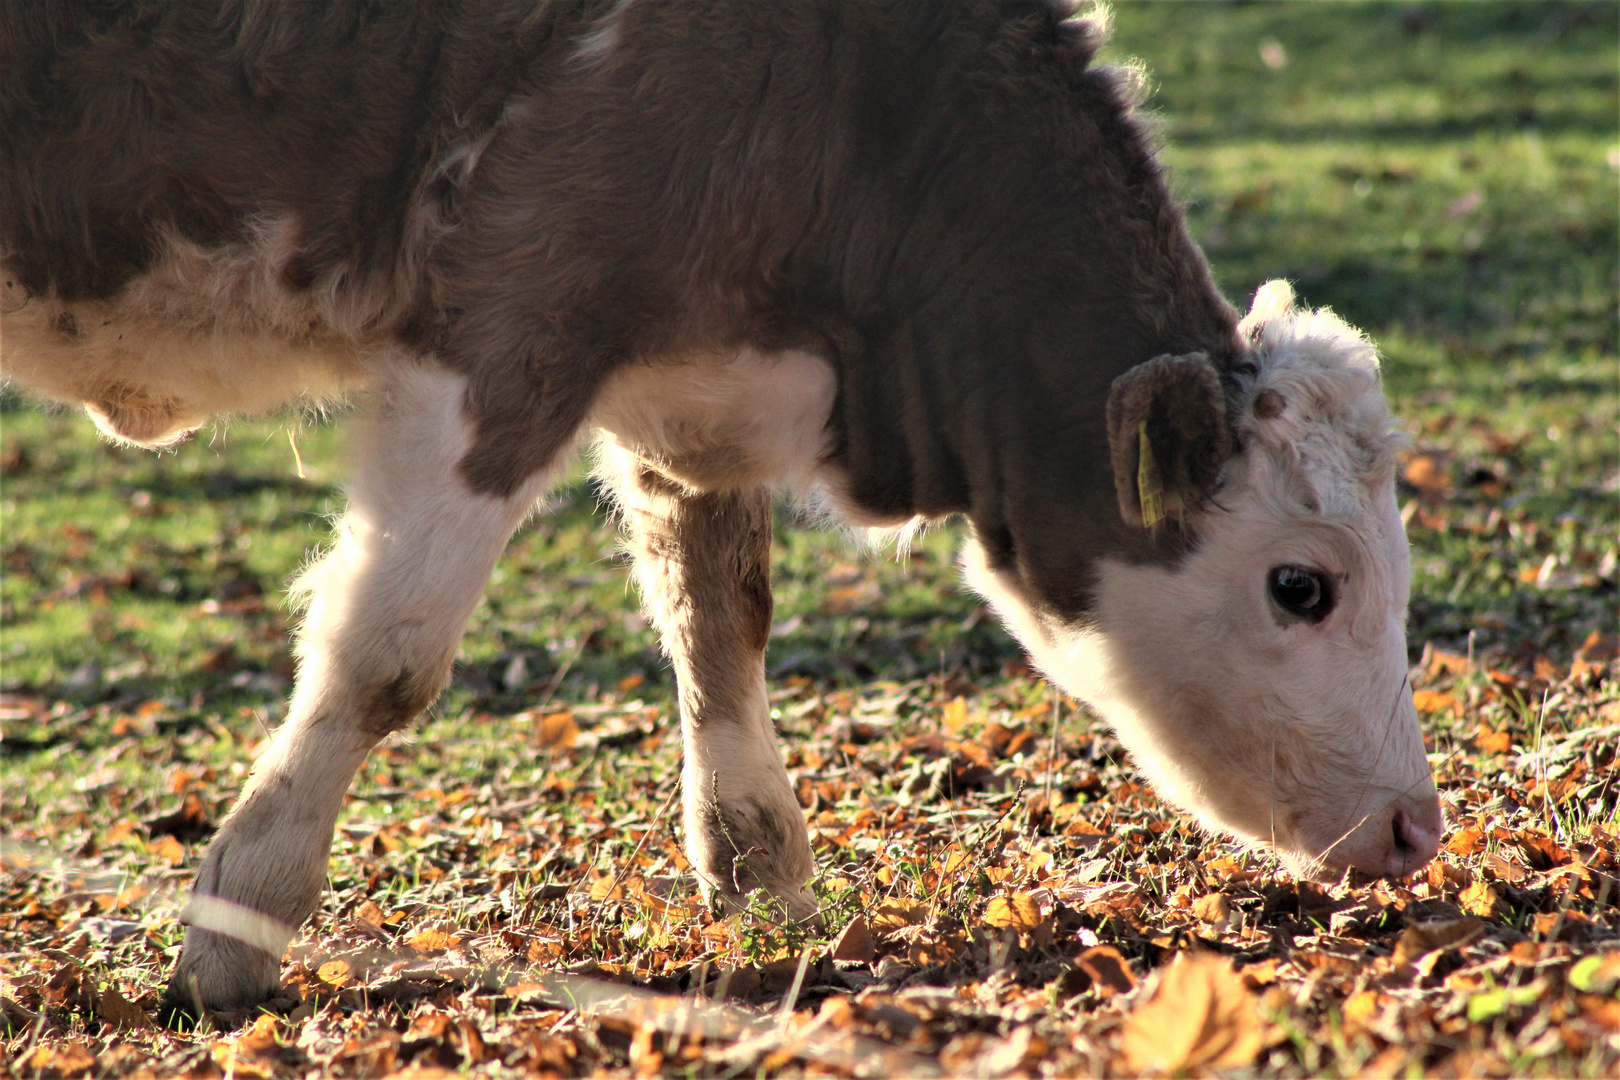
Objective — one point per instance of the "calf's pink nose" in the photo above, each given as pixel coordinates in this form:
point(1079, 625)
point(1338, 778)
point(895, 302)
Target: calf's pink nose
point(1414, 837)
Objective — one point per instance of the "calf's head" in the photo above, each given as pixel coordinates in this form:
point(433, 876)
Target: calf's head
point(1259, 681)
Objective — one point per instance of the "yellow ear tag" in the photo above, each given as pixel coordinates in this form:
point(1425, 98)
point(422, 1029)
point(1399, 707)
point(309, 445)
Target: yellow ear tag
point(1149, 487)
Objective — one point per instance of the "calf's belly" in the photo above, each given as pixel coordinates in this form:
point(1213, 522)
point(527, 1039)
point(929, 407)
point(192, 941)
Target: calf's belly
point(204, 332)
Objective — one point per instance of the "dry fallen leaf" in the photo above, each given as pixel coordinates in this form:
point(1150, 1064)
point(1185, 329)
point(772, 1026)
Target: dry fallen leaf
point(1200, 1017)
point(1214, 908)
point(333, 974)
point(1468, 840)
point(1110, 972)
point(1479, 899)
point(1491, 741)
point(1447, 663)
point(1360, 1008)
point(66, 1060)
point(855, 943)
point(252, 1055)
point(1436, 935)
point(432, 941)
point(168, 849)
point(892, 915)
point(1432, 701)
point(188, 824)
point(1428, 473)
point(118, 1012)
point(1015, 911)
point(556, 731)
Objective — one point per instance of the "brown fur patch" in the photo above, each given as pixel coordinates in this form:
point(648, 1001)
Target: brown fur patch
point(395, 703)
point(949, 202)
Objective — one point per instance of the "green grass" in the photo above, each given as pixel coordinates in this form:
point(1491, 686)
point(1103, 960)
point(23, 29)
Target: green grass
point(1445, 176)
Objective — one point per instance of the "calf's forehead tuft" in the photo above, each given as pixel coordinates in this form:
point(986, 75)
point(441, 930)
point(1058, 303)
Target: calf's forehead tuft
point(1335, 427)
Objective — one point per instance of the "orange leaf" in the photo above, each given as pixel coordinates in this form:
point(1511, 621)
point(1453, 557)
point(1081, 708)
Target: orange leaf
point(432, 941)
point(1478, 899)
point(1361, 1008)
point(933, 953)
point(333, 973)
point(1201, 1017)
point(1595, 655)
point(556, 731)
point(1110, 972)
point(1214, 908)
point(1541, 850)
point(1015, 911)
point(607, 887)
point(168, 849)
point(63, 1061)
point(1432, 701)
point(955, 715)
point(119, 832)
point(843, 599)
point(1435, 935)
point(1036, 863)
point(892, 915)
point(1428, 473)
point(955, 859)
point(1445, 663)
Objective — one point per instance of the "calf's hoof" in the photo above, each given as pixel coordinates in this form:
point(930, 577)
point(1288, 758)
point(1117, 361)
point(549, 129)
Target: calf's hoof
point(792, 902)
point(219, 974)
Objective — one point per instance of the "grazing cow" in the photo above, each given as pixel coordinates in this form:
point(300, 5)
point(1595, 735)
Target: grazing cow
point(914, 256)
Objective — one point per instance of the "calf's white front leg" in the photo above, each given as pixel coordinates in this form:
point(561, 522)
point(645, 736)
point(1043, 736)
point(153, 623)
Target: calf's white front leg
point(387, 607)
point(703, 561)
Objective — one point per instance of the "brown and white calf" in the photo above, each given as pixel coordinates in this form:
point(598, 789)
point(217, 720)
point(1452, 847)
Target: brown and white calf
point(913, 259)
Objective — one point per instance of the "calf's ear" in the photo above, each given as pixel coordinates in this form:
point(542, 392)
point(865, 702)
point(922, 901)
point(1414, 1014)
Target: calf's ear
point(1167, 437)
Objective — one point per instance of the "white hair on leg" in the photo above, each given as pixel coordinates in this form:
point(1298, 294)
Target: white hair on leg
point(387, 608)
point(702, 561)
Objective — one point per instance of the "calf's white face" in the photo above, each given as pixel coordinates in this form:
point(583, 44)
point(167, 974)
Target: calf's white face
point(1261, 682)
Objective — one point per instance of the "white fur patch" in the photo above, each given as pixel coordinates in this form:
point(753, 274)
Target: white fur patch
point(203, 332)
point(415, 547)
point(728, 423)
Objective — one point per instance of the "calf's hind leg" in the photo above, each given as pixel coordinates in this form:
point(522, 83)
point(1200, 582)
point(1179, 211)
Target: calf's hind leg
point(388, 606)
point(702, 560)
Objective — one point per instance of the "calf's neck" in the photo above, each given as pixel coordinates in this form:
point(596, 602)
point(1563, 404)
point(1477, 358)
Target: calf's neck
point(909, 259)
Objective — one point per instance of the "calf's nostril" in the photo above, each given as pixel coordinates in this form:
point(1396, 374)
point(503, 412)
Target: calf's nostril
point(1400, 824)
point(1414, 844)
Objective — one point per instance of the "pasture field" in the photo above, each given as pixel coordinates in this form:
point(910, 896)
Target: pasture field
point(1003, 897)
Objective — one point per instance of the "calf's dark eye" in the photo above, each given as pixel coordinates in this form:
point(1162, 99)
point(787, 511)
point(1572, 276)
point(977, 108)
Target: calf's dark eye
point(1306, 594)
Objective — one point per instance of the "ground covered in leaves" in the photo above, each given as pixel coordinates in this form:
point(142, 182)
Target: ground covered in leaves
point(1001, 894)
